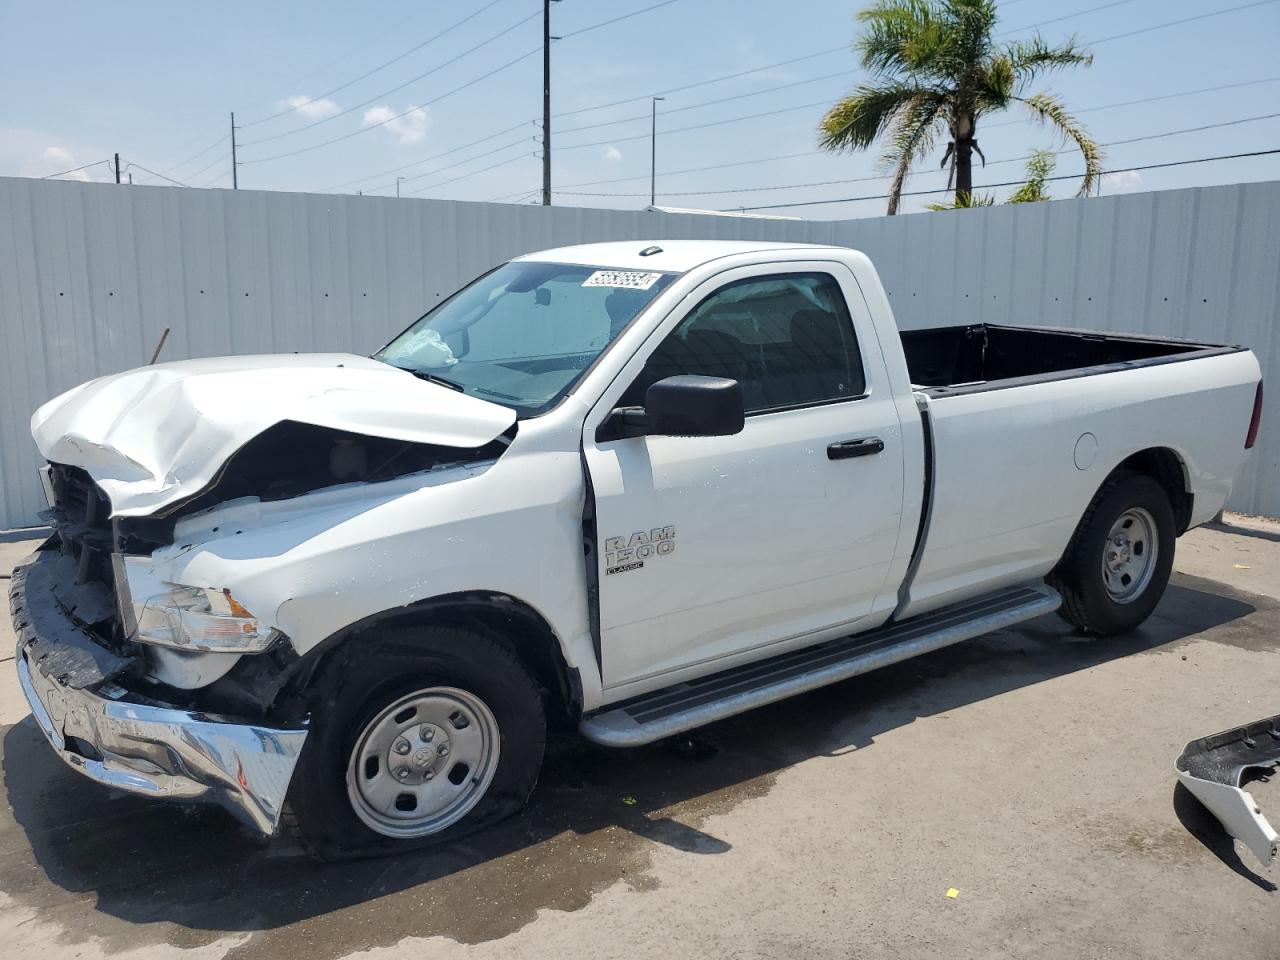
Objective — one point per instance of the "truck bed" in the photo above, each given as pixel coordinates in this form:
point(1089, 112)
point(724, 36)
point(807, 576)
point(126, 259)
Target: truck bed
point(983, 356)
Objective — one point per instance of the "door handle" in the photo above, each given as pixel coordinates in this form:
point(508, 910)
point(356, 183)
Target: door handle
point(862, 447)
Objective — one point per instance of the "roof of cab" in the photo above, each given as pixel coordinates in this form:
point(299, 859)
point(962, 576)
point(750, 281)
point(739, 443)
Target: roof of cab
point(672, 256)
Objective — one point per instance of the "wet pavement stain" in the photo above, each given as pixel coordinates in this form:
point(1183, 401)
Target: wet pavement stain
point(128, 872)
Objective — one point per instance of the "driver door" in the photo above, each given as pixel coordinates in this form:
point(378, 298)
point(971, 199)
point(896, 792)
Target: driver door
point(725, 549)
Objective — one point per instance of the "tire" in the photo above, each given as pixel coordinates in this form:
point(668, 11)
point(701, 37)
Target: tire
point(470, 751)
point(1104, 593)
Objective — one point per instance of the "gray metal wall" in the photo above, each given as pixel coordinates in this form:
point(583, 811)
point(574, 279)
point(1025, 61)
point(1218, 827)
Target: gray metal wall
point(90, 274)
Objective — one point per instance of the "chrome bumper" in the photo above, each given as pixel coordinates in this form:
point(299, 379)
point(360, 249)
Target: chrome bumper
point(146, 749)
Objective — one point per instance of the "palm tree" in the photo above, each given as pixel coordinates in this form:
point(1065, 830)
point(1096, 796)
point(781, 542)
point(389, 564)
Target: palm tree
point(936, 68)
point(1039, 168)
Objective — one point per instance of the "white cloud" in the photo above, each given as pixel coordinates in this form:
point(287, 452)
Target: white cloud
point(55, 160)
point(409, 126)
point(611, 154)
point(1121, 181)
point(316, 109)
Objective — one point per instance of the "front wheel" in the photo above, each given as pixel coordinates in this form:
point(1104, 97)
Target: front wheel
point(1117, 565)
point(422, 736)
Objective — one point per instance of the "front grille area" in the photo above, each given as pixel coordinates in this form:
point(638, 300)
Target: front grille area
point(81, 515)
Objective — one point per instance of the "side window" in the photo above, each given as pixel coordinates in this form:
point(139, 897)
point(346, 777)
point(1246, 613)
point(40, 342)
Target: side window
point(788, 339)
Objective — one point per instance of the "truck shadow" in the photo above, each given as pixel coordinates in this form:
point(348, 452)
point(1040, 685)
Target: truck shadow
point(129, 871)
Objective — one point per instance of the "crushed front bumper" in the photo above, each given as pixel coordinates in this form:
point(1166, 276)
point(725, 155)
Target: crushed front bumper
point(124, 740)
point(1212, 768)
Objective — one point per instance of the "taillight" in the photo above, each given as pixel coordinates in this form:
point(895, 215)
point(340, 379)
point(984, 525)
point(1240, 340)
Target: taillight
point(1255, 421)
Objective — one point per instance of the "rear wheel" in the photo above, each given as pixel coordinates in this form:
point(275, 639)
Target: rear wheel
point(1117, 565)
point(426, 735)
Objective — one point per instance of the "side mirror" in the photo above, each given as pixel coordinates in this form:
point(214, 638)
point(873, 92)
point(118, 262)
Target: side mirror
point(680, 406)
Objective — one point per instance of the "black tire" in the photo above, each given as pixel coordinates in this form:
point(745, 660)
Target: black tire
point(1086, 601)
point(373, 674)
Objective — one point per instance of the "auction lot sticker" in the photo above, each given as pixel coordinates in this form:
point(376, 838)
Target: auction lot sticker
point(631, 279)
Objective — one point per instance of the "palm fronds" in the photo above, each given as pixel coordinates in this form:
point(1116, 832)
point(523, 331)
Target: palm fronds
point(935, 67)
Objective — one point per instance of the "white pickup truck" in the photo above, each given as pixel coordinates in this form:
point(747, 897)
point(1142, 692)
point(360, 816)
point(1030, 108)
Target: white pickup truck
point(625, 487)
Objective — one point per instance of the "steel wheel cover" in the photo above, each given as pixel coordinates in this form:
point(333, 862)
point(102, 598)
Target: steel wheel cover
point(423, 763)
point(1129, 555)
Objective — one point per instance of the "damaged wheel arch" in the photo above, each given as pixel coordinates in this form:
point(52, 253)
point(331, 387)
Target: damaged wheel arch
point(512, 623)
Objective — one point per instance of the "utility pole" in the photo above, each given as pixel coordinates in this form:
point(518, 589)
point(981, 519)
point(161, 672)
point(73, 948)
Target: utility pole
point(235, 178)
point(653, 151)
point(546, 100)
point(117, 168)
point(398, 179)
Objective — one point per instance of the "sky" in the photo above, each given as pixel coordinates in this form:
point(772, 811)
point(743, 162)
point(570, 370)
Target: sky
point(448, 95)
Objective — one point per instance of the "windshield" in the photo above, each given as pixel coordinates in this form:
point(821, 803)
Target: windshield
point(524, 334)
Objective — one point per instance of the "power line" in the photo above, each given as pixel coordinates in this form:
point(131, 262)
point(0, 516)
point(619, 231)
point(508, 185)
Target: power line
point(714, 166)
point(1065, 16)
point(606, 23)
point(437, 156)
point(442, 96)
point(133, 163)
point(197, 156)
point(702, 83)
point(814, 153)
point(473, 173)
point(735, 75)
point(1172, 133)
point(522, 142)
point(378, 68)
point(63, 173)
point(211, 163)
point(1163, 96)
point(359, 106)
point(372, 126)
point(806, 106)
point(515, 197)
point(519, 198)
point(697, 126)
point(359, 48)
point(992, 163)
point(1011, 183)
point(1174, 23)
point(845, 49)
point(708, 103)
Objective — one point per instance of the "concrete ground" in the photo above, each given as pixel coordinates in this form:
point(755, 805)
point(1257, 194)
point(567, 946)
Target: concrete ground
point(1031, 771)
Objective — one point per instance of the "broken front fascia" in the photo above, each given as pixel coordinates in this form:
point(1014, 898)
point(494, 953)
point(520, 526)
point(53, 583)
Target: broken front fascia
point(131, 742)
point(1212, 768)
point(155, 436)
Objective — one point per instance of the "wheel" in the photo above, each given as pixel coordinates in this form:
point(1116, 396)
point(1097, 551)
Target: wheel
point(1117, 565)
point(421, 737)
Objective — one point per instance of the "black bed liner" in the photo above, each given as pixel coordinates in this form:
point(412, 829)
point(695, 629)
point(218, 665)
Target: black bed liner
point(944, 361)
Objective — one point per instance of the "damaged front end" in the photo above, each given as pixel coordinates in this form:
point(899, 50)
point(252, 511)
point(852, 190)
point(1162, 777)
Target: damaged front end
point(173, 690)
point(149, 650)
point(101, 714)
point(1213, 767)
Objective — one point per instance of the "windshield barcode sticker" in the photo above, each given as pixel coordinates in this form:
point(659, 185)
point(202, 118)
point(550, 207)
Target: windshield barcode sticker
point(631, 279)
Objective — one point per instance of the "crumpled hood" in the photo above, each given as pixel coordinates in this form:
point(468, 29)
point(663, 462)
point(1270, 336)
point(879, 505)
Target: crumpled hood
point(156, 435)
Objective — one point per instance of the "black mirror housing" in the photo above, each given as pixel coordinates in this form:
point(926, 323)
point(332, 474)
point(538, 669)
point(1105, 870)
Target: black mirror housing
point(694, 406)
point(680, 406)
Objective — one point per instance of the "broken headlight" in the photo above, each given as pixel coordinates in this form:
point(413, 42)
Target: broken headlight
point(202, 619)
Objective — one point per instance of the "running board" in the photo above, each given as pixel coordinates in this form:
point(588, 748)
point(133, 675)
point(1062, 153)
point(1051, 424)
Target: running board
point(696, 702)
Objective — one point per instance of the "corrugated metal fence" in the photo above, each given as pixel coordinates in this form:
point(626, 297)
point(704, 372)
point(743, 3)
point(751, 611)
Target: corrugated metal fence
point(91, 274)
